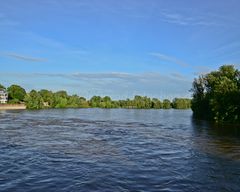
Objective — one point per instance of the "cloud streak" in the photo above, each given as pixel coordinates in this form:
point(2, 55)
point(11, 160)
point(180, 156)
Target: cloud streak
point(185, 20)
point(170, 59)
point(23, 57)
point(115, 84)
point(149, 76)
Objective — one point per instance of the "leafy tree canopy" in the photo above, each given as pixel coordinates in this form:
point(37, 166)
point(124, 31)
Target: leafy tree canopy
point(216, 95)
point(2, 87)
point(16, 92)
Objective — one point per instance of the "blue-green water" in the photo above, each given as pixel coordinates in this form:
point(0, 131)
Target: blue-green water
point(115, 150)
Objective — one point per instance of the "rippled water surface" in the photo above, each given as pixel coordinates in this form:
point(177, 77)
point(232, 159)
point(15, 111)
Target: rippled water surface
point(116, 150)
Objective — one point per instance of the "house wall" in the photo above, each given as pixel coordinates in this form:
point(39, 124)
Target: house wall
point(3, 96)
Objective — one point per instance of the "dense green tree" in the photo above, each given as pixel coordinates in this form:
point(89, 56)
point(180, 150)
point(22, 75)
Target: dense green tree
point(156, 103)
point(73, 101)
point(47, 97)
point(166, 104)
point(216, 95)
point(83, 102)
point(60, 99)
point(61, 102)
point(33, 100)
point(106, 99)
point(181, 103)
point(16, 93)
point(95, 101)
point(142, 102)
point(106, 102)
point(115, 104)
point(61, 93)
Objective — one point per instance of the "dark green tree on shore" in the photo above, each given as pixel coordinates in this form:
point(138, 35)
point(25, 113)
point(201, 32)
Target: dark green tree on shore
point(166, 104)
point(181, 103)
point(47, 97)
point(16, 94)
point(216, 95)
point(33, 100)
point(156, 103)
point(60, 99)
point(141, 102)
point(95, 101)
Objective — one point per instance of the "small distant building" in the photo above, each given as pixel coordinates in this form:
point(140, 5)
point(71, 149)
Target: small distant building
point(3, 96)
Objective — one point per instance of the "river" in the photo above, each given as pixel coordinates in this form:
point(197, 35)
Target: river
point(116, 150)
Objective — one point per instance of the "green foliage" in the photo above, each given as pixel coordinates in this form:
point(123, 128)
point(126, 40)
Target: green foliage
point(181, 103)
point(61, 93)
point(83, 103)
point(33, 100)
point(95, 101)
point(105, 102)
point(60, 102)
point(140, 102)
point(166, 104)
point(60, 99)
point(156, 103)
point(16, 93)
point(47, 97)
point(13, 101)
point(2, 87)
point(73, 101)
point(216, 96)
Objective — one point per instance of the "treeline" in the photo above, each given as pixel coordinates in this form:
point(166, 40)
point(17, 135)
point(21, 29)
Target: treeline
point(216, 95)
point(140, 102)
point(60, 99)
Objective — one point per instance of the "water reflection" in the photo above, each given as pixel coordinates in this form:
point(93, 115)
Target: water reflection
point(218, 140)
point(212, 128)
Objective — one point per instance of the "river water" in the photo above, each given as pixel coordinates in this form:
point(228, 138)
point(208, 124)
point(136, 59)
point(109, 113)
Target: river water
point(116, 150)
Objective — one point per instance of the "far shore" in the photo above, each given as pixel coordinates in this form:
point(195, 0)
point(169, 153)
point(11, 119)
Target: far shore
point(12, 106)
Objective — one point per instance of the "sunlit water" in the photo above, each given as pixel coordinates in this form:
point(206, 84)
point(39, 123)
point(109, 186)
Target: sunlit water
point(115, 150)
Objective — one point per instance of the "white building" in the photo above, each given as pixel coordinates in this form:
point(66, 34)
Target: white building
point(3, 96)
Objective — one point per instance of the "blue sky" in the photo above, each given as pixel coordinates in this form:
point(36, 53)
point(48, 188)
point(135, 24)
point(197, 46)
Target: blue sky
point(117, 48)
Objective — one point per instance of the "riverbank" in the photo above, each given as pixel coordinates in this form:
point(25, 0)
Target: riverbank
point(12, 106)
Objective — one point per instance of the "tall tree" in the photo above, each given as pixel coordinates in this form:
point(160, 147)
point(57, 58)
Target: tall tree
point(156, 103)
point(216, 95)
point(33, 100)
point(166, 104)
point(181, 103)
point(47, 96)
point(16, 93)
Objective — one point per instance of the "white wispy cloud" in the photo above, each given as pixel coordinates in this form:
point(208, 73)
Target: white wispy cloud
point(23, 57)
point(148, 76)
point(183, 18)
point(170, 59)
point(178, 75)
point(115, 84)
